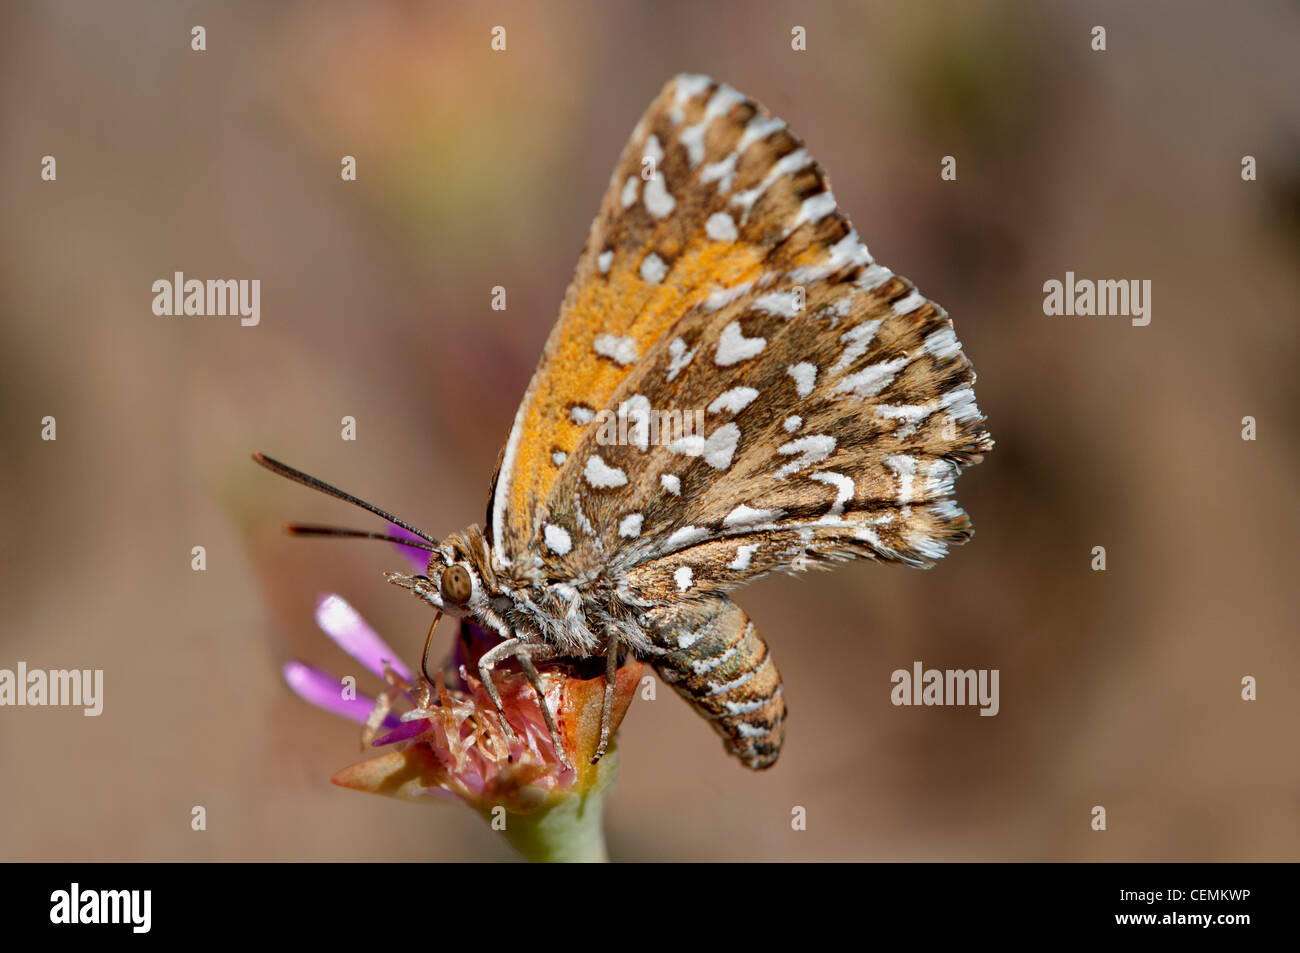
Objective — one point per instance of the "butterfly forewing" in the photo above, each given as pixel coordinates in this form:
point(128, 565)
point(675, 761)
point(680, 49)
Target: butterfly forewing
point(721, 284)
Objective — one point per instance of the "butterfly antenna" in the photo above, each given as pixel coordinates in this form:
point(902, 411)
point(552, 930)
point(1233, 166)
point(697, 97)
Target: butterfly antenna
point(297, 476)
point(310, 529)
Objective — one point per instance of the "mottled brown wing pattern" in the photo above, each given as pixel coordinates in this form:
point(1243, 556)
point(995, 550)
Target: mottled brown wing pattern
point(837, 404)
point(645, 265)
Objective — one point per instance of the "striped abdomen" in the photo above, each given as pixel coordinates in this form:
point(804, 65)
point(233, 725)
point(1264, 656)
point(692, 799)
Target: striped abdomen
point(715, 659)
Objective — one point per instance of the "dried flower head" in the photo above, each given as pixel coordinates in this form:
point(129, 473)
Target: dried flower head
point(442, 738)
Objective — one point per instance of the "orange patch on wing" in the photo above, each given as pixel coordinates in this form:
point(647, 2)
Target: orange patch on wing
point(623, 305)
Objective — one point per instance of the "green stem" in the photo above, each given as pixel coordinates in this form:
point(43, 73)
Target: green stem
point(570, 826)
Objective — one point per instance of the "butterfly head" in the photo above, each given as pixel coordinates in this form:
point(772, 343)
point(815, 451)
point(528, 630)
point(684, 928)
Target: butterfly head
point(458, 579)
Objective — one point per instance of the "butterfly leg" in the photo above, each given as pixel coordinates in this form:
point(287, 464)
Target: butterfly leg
point(485, 665)
point(525, 657)
point(524, 653)
point(607, 706)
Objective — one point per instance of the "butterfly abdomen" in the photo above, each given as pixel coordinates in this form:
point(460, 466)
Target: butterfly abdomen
point(715, 659)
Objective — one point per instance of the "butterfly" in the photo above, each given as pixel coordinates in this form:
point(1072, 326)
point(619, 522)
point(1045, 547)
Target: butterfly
point(720, 286)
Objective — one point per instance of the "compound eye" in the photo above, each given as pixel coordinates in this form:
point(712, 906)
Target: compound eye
point(456, 585)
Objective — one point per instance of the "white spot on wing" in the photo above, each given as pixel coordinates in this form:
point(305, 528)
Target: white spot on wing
point(758, 129)
point(785, 166)
point(721, 445)
point(685, 537)
point(910, 415)
point(717, 450)
point(688, 86)
point(869, 535)
point(601, 475)
point(744, 515)
point(942, 343)
point(604, 260)
point(620, 350)
point(780, 303)
point(684, 577)
point(691, 446)
point(960, 402)
point(557, 539)
point(723, 171)
point(693, 136)
point(671, 484)
point(722, 101)
point(814, 209)
point(805, 377)
point(734, 400)
point(721, 227)
point(631, 525)
point(719, 299)
point(653, 150)
point(870, 381)
point(843, 490)
point(581, 415)
point(678, 357)
point(658, 200)
point(653, 269)
point(947, 509)
point(909, 304)
point(811, 449)
point(904, 468)
point(856, 341)
point(873, 277)
point(628, 196)
point(847, 252)
point(940, 475)
point(927, 546)
point(743, 556)
point(734, 347)
point(637, 411)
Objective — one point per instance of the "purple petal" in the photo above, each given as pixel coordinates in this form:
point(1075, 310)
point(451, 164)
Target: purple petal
point(325, 691)
point(419, 558)
point(407, 729)
point(344, 625)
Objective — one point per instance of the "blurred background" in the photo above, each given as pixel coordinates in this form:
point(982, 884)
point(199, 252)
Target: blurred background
point(478, 168)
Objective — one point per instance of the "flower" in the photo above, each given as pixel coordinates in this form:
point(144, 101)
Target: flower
point(444, 740)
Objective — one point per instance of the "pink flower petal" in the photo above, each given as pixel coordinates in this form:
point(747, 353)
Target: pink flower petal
point(325, 691)
point(407, 729)
point(419, 558)
point(344, 625)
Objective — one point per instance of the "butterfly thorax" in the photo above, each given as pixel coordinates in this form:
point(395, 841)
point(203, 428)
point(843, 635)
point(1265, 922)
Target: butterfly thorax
point(571, 616)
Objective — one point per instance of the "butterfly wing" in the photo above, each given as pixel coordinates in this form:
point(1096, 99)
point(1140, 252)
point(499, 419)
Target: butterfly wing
point(721, 285)
point(645, 265)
